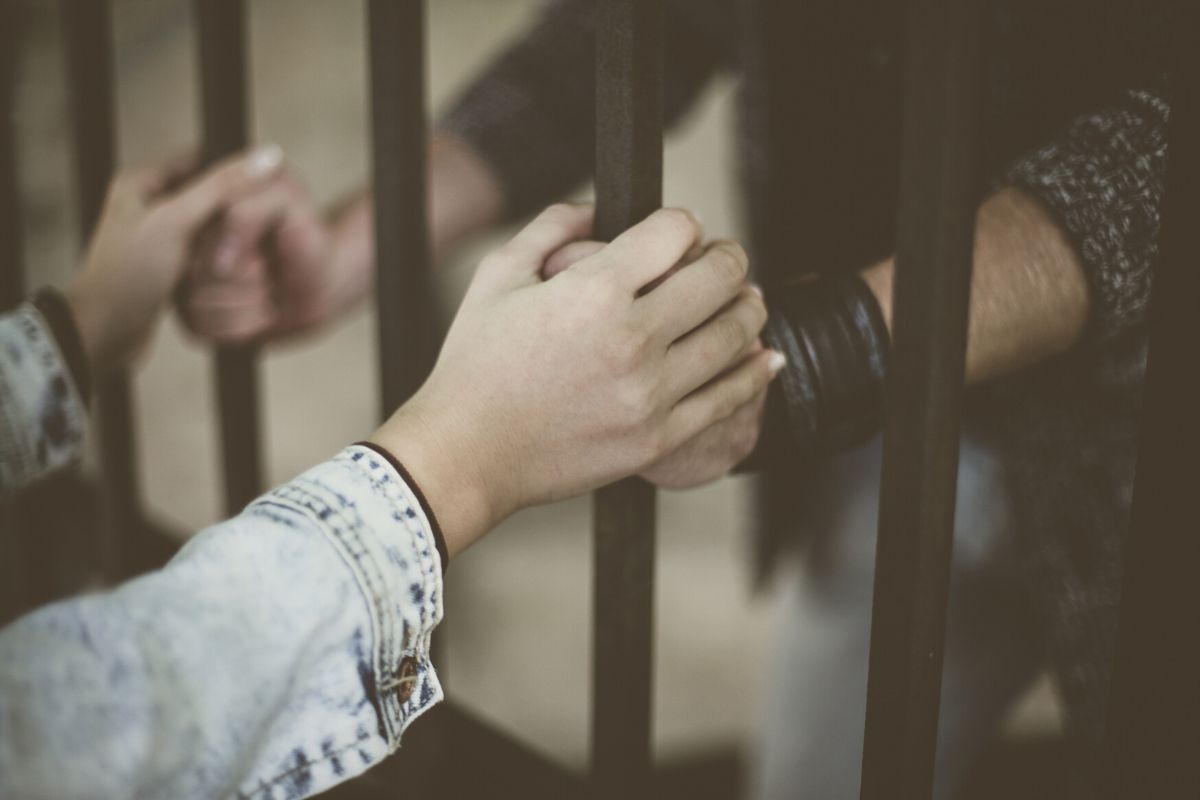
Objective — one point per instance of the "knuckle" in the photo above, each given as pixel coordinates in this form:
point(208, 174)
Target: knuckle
point(559, 214)
point(729, 262)
point(677, 221)
point(730, 334)
point(636, 402)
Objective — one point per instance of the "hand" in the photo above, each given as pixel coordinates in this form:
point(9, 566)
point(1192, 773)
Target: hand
point(271, 269)
point(717, 449)
point(548, 389)
point(141, 245)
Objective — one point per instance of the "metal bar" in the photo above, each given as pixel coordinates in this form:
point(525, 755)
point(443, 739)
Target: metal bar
point(407, 325)
point(221, 31)
point(1153, 742)
point(629, 164)
point(12, 275)
point(920, 449)
point(87, 41)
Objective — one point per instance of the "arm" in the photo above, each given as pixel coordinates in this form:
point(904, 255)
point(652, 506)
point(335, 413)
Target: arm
point(1063, 258)
point(1029, 293)
point(521, 135)
point(51, 346)
point(288, 647)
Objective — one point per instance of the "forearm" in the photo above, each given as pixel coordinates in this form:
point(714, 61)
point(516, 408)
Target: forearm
point(288, 646)
point(463, 196)
point(1029, 294)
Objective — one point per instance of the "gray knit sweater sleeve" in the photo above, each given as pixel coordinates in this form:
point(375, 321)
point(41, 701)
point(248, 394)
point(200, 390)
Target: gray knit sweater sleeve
point(531, 114)
point(1104, 179)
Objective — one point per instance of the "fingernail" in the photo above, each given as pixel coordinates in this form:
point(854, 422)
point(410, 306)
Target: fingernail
point(754, 287)
point(265, 159)
point(775, 362)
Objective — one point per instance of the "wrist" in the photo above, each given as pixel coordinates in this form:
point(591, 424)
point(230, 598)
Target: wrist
point(92, 325)
point(445, 458)
point(834, 333)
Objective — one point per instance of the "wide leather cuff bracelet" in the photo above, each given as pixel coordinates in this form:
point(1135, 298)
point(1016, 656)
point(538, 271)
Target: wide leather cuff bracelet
point(833, 333)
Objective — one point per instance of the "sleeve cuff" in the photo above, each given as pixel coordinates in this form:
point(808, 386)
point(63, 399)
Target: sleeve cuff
point(58, 315)
point(376, 523)
point(439, 539)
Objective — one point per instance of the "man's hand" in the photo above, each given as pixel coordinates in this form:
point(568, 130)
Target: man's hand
point(142, 244)
point(717, 449)
point(270, 269)
point(544, 390)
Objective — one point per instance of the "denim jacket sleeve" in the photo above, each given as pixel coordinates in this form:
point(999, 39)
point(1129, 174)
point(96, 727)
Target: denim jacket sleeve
point(276, 655)
point(43, 419)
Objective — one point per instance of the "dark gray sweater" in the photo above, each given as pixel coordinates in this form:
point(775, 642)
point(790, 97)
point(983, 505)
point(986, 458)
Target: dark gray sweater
point(1075, 112)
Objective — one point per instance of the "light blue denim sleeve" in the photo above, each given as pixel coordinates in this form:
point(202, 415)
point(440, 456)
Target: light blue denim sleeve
point(42, 417)
point(276, 655)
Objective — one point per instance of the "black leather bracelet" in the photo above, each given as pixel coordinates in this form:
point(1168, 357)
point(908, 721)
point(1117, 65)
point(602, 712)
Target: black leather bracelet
point(836, 341)
point(54, 309)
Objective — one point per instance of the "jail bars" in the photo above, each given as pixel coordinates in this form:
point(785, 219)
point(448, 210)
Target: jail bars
point(924, 387)
point(1153, 734)
point(87, 43)
point(407, 324)
point(221, 45)
point(12, 275)
point(629, 36)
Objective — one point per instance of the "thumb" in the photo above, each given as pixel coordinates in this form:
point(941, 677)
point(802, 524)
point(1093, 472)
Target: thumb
point(522, 258)
point(192, 206)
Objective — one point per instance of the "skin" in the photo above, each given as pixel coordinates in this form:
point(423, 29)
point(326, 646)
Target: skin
point(1029, 297)
point(142, 245)
point(532, 373)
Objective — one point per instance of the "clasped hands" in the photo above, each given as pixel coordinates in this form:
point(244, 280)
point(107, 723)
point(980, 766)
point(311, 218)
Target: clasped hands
point(569, 364)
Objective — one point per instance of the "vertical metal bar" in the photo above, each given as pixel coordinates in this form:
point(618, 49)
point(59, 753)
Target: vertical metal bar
point(221, 31)
point(87, 41)
point(12, 280)
point(920, 450)
point(407, 326)
point(12, 276)
point(1153, 741)
point(403, 277)
point(629, 36)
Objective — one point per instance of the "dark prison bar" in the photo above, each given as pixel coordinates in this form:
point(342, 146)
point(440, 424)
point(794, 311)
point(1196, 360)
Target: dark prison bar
point(221, 44)
point(920, 446)
point(12, 276)
point(1153, 739)
point(629, 164)
point(88, 44)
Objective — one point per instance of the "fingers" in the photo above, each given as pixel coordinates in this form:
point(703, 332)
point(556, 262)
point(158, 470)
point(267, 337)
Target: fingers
point(569, 256)
point(521, 259)
point(713, 452)
point(200, 199)
point(247, 223)
point(721, 398)
point(722, 341)
point(232, 311)
point(651, 248)
point(694, 293)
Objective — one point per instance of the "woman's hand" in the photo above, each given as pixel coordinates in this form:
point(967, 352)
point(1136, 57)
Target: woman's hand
point(544, 390)
point(141, 245)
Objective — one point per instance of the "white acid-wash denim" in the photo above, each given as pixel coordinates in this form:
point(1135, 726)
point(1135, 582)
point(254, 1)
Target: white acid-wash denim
point(276, 655)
